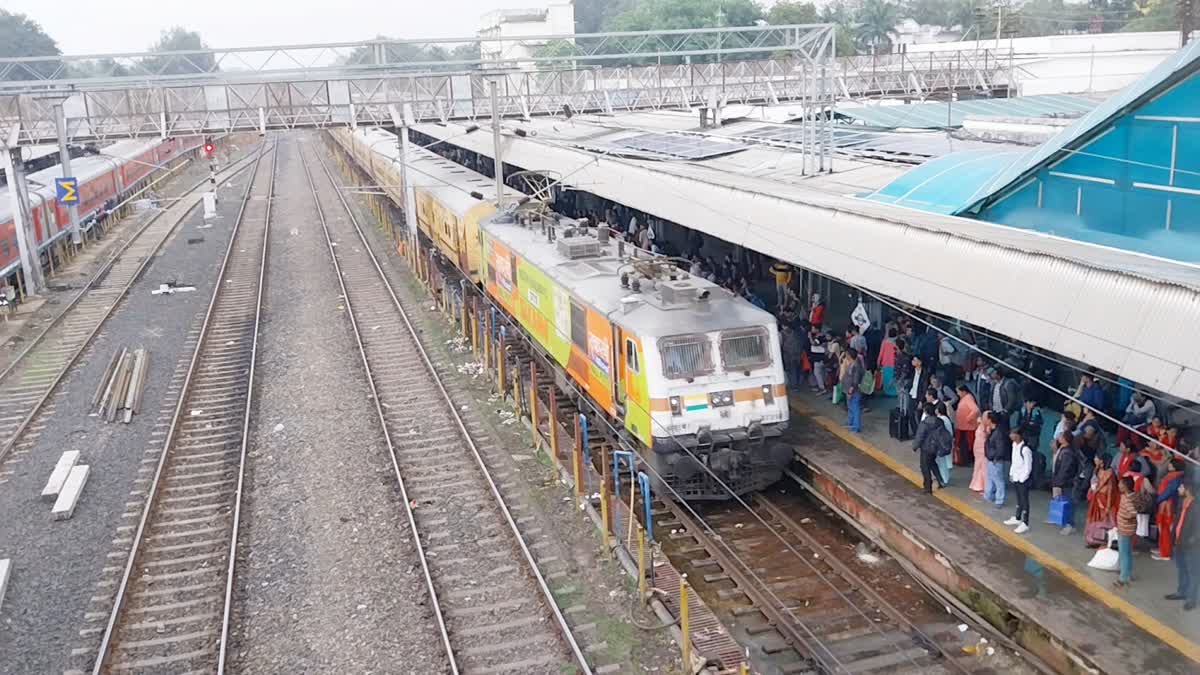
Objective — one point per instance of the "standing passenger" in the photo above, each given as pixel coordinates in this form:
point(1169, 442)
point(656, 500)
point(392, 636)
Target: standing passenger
point(998, 450)
point(852, 376)
point(1021, 474)
point(1126, 528)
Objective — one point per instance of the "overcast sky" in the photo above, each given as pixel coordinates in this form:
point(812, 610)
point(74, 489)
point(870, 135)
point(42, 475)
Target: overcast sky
point(133, 25)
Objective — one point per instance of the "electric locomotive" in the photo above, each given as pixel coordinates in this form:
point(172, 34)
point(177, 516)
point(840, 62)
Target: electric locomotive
point(690, 373)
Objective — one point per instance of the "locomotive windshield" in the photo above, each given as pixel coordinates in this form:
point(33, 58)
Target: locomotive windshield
point(745, 349)
point(686, 356)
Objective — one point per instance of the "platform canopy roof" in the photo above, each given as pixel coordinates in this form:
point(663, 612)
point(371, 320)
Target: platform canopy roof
point(1048, 291)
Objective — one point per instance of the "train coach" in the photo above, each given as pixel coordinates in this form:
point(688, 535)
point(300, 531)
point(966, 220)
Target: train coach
point(104, 178)
point(691, 373)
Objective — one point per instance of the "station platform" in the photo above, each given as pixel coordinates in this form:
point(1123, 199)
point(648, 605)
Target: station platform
point(1036, 587)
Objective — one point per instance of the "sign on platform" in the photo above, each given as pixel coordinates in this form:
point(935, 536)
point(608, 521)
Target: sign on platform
point(67, 189)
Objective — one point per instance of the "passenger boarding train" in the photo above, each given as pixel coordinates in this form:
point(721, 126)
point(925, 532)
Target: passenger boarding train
point(689, 371)
point(119, 169)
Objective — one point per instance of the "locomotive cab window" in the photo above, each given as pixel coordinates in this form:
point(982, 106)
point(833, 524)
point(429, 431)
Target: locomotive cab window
point(745, 349)
point(579, 326)
point(631, 357)
point(686, 356)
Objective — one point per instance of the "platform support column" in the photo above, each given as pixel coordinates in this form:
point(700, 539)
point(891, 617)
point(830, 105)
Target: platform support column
point(577, 456)
point(641, 564)
point(605, 511)
point(552, 424)
point(685, 644)
point(533, 406)
point(501, 382)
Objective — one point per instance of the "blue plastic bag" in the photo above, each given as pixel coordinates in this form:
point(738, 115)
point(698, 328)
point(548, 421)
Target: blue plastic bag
point(1061, 512)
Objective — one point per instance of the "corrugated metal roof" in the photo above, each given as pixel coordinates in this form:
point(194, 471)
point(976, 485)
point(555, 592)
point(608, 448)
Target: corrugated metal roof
point(940, 114)
point(1021, 283)
point(1170, 71)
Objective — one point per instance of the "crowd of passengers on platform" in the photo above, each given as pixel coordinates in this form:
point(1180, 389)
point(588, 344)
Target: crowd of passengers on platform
point(1115, 457)
point(1113, 453)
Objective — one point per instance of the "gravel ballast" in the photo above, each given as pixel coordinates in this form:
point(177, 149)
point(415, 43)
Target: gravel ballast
point(63, 574)
point(327, 579)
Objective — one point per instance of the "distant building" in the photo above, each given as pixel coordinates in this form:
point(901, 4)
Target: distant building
point(909, 32)
point(510, 37)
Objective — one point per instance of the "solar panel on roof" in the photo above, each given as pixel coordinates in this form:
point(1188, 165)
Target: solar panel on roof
point(678, 146)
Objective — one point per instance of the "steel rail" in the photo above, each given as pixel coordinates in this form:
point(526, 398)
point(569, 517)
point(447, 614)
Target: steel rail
point(843, 570)
point(106, 643)
point(231, 172)
point(465, 435)
point(387, 435)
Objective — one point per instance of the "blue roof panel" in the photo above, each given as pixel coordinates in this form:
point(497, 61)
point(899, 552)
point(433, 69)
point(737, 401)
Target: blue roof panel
point(946, 184)
point(1166, 73)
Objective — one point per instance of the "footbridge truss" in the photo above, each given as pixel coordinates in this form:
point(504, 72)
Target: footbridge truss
point(110, 96)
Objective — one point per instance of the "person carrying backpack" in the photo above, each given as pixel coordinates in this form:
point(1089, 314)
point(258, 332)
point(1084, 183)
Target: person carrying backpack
point(1021, 474)
point(931, 441)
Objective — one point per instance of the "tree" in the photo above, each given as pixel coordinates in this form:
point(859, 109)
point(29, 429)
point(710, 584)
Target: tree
point(786, 12)
point(676, 14)
point(105, 67)
point(944, 13)
point(20, 36)
point(179, 39)
point(841, 15)
point(1158, 15)
point(651, 15)
point(558, 48)
point(593, 16)
point(877, 21)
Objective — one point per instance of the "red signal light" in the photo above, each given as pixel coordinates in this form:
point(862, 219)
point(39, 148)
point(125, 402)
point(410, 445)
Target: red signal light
point(209, 148)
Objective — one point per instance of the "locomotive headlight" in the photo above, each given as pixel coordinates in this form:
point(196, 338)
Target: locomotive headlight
point(676, 408)
point(768, 394)
point(718, 399)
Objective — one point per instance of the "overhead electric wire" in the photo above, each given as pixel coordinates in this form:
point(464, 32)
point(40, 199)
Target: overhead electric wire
point(887, 301)
point(748, 224)
point(616, 435)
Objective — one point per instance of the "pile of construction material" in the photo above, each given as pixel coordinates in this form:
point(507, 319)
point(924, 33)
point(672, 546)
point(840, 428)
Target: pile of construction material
point(119, 395)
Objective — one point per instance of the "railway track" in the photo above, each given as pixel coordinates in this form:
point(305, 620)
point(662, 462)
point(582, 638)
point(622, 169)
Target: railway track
point(492, 607)
point(804, 606)
point(171, 611)
point(28, 382)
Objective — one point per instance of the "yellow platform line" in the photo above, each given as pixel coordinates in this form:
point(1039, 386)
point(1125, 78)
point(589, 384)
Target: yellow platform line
point(1141, 619)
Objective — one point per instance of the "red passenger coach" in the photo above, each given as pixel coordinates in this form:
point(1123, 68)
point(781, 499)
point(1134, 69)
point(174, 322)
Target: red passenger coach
point(114, 173)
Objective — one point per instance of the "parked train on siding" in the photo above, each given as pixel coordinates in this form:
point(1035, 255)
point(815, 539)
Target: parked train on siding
point(688, 371)
point(118, 170)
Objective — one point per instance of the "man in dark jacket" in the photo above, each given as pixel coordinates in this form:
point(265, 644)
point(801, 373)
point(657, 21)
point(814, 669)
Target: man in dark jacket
point(932, 435)
point(1064, 468)
point(918, 383)
point(998, 450)
point(1029, 423)
point(1187, 537)
point(1005, 395)
point(852, 377)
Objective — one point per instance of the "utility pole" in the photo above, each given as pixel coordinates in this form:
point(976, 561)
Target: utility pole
point(18, 188)
point(64, 158)
point(410, 199)
point(497, 151)
point(1187, 20)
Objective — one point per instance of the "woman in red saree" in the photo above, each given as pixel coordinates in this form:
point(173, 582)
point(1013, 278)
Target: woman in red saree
point(1102, 503)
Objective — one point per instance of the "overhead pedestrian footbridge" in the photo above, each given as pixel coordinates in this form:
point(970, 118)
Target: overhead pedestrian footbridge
point(211, 91)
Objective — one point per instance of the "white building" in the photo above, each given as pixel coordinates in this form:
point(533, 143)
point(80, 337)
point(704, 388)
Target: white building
point(909, 32)
point(511, 36)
